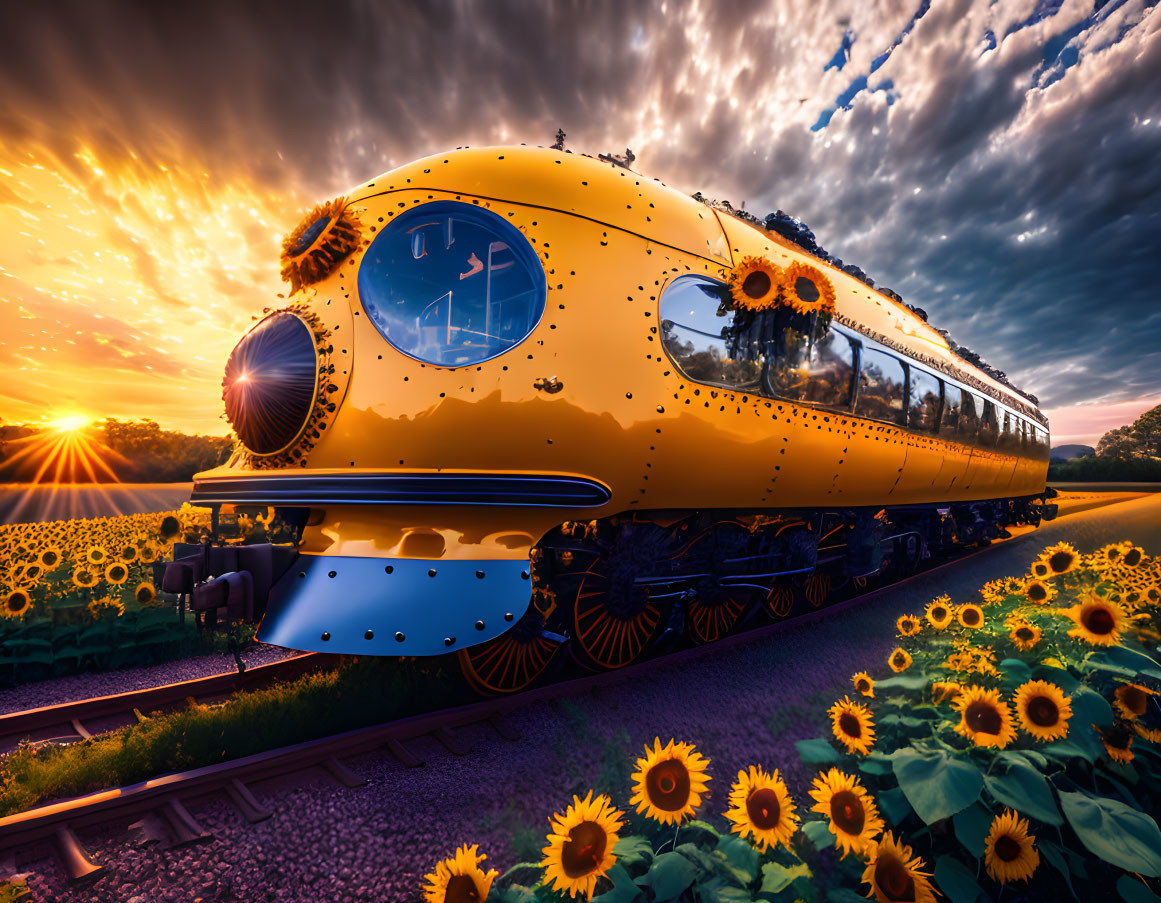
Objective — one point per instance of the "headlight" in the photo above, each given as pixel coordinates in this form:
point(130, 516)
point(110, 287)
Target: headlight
point(271, 383)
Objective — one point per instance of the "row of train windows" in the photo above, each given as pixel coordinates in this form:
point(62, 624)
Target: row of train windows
point(772, 353)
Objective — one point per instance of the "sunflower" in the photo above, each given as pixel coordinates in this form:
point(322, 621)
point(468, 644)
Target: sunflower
point(148, 553)
point(755, 283)
point(1153, 735)
point(908, 625)
point(1043, 710)
point(145, 594)
point(1098, 621)
point(985, 718)
point(893, 875)
point(1109, 556)
point(1010, 851)
point(970, 615)
point(96, 555)
point(459, 878)
point(16, 603)
point(170, 526)
point(1132, 700)
point(324, 238)
point(1040, 569)
point(761, 808)
point(50, 557)
point(116, 573)
point(899, 660)
point(98, 608)
point(864, 684)
point(852, 725)
point(854, 818)
point(129, 553)
point(1039, 592)
point(939, 613)
point(943, 690)
point(85, 578)
point(1133, 556)
point(807, 289)
point(1118, 740)
point(1024, 635)
point(669, 782)
point(580, 847)
point(1061, 558)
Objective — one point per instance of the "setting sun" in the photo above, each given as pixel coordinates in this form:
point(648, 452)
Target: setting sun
point(70, 423)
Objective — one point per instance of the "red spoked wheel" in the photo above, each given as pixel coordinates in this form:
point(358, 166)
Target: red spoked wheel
point(816, 589)
point(613, 623)
point(780, 600)
point(708, 620)
point(511, 661)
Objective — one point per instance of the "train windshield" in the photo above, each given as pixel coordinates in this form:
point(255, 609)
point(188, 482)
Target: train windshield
point(452, 284)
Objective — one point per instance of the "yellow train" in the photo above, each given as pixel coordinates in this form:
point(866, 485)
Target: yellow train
point(523, 399)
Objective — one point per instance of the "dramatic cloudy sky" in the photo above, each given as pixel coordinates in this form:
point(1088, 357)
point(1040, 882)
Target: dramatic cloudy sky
point(997, 163)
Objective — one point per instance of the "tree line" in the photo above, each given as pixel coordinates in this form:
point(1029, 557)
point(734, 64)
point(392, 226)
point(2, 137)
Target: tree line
point(1129, 453)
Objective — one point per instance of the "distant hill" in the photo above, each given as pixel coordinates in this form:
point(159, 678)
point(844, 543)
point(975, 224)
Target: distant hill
point(1068, 452)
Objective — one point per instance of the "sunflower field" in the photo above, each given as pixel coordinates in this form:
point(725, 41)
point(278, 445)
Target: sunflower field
point(81, 593)
point(1011, 745)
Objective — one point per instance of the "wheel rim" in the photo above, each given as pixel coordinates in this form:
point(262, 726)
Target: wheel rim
point(710, 620)
point(817, 588)
point(510, 662)
point(606, 640)
point(780, 601)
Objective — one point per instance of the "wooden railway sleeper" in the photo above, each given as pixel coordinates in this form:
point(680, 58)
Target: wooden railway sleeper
point(250, 808)
point(76, 860)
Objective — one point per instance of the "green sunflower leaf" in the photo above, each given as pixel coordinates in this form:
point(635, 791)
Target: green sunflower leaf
point(1026, 790)
point(740, 856)
point(816, 752)
point(669, 876)
point(1122, 656)
point(776, 878)
point(718, 891)
point(875, 763)
point(1089, 707)
point(1115, 832)
point(700, 832)
point(1063, 750)
point(971, 828)
point(1058, 676)
point(956, 880)
point(633, 850)
point(624, 890)
point(1055, 857)
point(894, 805)
point(915, 681)
point(698, 857)
point(936, 784)
point(819, 834)
point(1015, 672)
point(1133, 890)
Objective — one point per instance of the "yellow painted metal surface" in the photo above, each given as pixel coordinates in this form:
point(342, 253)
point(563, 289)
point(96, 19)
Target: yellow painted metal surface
point(609, 241)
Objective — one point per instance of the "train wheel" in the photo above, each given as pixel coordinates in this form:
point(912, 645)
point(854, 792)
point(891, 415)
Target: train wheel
point(708, 620)
point(511, 661)
point(780, 600)
point(816, 589)
point(613, 621)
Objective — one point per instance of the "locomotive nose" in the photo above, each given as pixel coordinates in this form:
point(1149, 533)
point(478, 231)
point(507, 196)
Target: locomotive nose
point(271, 382)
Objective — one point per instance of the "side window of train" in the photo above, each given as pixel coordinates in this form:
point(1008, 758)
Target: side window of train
point(949, 419)
point(923, 395)
point(989, 427)
point(969, 418)
point(708, 343)
point(817, 371)
point(881, 385)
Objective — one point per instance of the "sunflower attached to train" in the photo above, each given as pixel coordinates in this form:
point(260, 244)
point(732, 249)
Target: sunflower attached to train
point(808, 291)
point(318, 244)
point(755, 284)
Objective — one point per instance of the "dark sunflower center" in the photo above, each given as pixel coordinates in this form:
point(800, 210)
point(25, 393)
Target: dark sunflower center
point(863, 685)
point(806, 290)
point(1133, 557)
point(763, 808)
point(1099, 621)
point(584, 849)
point(1135, 701)
point(309, 234)
point(1037, 592)
point(849, 725)
point(1043, 712)
point(1060, 561)
point(144, 594)
point(169, 526)
point(983, 717)
point(1024, 633)
point(938, 613)
point(15, 602)
point(1007, 848)
point(50, 559)
point(846, 811)
point(460, 889)
point(1118, 738)
point(971, 616)
point(117, 572)
point(756, 285)
point(668, 785)
point(900, 659)
point(893, 880)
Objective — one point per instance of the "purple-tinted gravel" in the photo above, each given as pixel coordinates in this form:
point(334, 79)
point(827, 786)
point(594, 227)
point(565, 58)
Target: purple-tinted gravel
point(105, 683)
point(376, 842)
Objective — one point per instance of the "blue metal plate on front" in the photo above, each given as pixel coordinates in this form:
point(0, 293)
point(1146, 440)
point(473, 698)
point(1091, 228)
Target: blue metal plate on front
point(394, 606)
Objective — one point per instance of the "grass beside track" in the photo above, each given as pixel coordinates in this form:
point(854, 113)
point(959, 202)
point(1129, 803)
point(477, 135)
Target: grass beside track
point(359, 693)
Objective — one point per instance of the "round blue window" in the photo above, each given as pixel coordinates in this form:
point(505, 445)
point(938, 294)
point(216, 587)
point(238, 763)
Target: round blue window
point(451, 284)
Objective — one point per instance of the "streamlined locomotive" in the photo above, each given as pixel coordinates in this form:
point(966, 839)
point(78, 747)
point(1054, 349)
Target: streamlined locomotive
point(523, 400)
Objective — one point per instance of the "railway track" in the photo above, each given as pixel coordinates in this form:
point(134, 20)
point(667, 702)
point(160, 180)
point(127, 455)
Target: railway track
point(158, 803)
point(85, 718)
